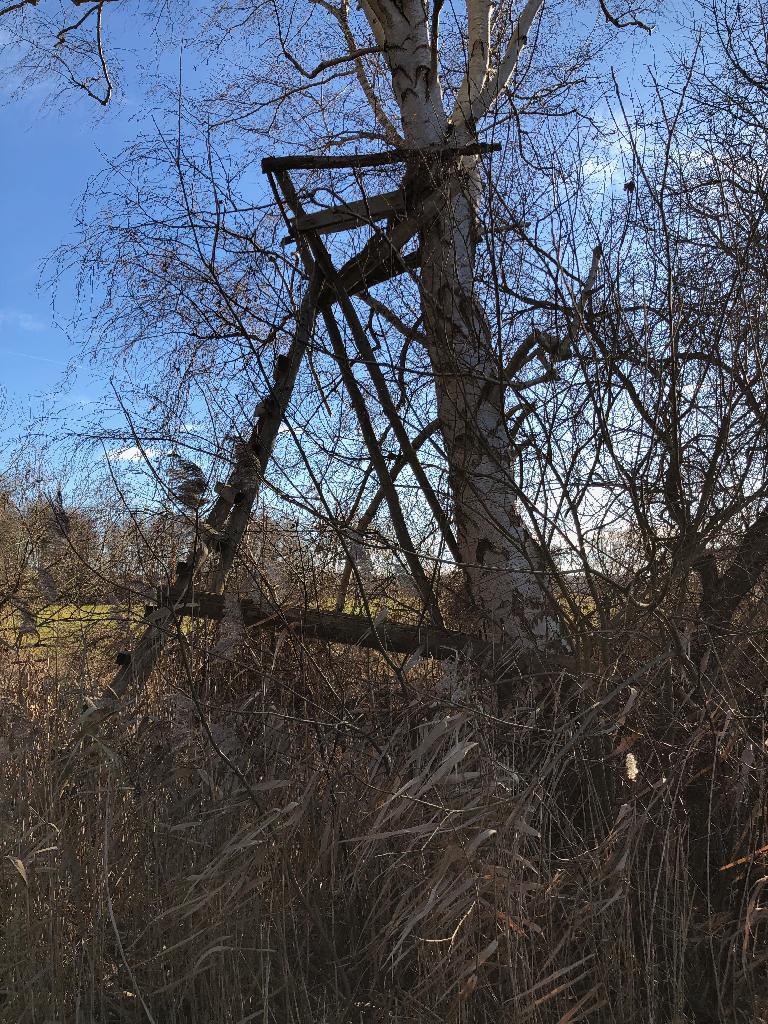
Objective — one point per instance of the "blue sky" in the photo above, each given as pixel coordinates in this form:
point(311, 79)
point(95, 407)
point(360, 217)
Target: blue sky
point(48, 151)
point(47, 154)
point(45, 159)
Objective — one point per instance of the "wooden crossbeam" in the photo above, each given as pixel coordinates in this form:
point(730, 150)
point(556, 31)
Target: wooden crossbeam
point(336, 627)
point(382, 258)
point(362, 160)
point(347, 216)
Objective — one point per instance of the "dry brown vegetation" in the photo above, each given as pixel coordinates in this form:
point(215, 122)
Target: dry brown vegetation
point(289, 833)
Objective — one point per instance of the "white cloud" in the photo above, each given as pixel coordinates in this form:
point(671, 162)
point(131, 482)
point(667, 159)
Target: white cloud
point(21, 321)
point(609, 166)
point(132, 454)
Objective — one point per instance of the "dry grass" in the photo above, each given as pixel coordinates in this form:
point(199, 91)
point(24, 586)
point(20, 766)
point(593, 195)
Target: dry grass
point(295, 839)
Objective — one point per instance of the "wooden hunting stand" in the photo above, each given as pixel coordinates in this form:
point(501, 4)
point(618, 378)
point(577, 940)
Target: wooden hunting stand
point(199, 580)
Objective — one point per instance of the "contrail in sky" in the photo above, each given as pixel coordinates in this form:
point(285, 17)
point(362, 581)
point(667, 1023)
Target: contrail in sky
point(27, 355)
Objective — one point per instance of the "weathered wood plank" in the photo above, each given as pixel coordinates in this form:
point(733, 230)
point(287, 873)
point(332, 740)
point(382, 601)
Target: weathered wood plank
point(336, 627)
point(347, 216)
point(392, 156)
point(226, 520)
point(380, 272)
point(380, 259)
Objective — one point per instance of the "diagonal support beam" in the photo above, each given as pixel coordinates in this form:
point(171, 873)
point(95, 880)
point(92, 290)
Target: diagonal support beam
point(362, 342)
point(219, 536)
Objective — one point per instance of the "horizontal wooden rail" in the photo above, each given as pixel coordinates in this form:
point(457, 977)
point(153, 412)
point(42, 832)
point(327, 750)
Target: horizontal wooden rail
point(347, 216)
point(335, 627)
point(392, 156)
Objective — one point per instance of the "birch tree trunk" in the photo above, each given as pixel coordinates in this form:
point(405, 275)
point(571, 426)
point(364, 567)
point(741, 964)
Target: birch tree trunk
point(505, 576)
point(508, 587)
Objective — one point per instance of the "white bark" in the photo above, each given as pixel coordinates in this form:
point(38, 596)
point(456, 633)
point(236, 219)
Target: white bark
point(478, 61)
point(507, 582)
point(401, 29)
